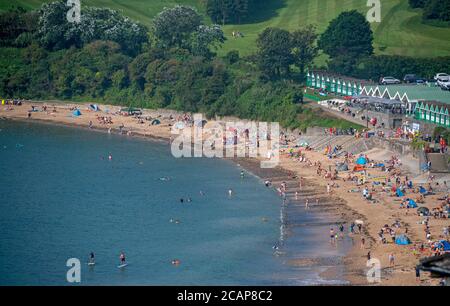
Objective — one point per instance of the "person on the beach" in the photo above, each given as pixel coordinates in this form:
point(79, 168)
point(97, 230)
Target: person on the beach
point(332, 235)
point(363, 243)
point(296, 195)
point(307, 204)
point(328, 188)
point(391, 260)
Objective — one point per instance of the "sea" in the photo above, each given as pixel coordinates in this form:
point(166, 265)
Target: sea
point(62, 197)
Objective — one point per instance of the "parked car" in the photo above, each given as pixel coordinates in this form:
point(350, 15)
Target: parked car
point(442, 77)
point(444, 85)
point(389, 81)
point(410, 78)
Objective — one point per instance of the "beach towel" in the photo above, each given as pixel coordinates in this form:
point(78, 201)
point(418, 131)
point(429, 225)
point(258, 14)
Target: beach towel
point(399, 193)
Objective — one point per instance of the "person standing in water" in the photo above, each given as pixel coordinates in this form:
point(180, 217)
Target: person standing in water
point(92, 258)
point(242, 174)
point(122, 258)
point(230, 192)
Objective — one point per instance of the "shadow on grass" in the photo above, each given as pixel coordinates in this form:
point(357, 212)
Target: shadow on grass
point(263, 10)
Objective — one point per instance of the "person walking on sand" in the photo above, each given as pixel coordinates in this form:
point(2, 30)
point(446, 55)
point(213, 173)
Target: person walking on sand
point(391, 260)
point(328, 188)
point(307, 204)
point(363, 243)
point(332, 235)
point(296, 195)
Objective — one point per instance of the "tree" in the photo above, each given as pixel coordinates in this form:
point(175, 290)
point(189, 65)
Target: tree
point(274, 54)
point(174, 26)
point(437, 9)
point(56, 32)
point(304, 48)
point(347, 39)
point(417, 3)
point(225, 11)
point(205, 38)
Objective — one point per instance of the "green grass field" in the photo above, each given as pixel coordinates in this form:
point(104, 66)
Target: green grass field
point(400, 32)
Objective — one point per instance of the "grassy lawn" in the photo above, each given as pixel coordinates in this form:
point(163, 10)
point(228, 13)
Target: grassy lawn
point(400, 32)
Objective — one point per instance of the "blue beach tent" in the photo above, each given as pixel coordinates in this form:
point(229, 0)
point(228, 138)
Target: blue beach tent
point(412, 204)
point(444, 245)
point(76, 113)
point(423, 190)
point(402, 240)
point(361, 160)
point(400, 193)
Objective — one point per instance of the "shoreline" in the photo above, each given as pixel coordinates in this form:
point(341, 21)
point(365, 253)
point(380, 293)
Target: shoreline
point(251, 165)
point(344, 206)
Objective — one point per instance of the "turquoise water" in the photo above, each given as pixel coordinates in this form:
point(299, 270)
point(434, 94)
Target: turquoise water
point(61, 198)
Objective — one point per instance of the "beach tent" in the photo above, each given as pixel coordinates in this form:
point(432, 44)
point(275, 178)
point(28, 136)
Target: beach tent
point(423, 211)
point(399, 193)
point(444, 245)
point(156, 122)
point(412, 204)
point(402, 240)
point(94, 107)
point(76, 113)
point(342, 167)
point(423, 190)
point(179, 125)
point(361, 160)
point(200, 123)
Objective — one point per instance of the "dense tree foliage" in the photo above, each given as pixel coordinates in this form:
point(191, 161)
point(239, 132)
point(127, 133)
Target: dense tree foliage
point(274, 55)
point(56, 32)
point(433, 9)
point(228, 11)
point(347, 39)
point(304, 48)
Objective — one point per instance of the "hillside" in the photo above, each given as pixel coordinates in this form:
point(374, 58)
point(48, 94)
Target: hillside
point(400, 32)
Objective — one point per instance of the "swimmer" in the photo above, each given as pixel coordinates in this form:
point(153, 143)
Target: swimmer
point(264, 219)
point(202, 193)
point(181, 200)
point(176, 262)
point(242, 174)
point(110, 156)
point(189, 200)
point(230, 192)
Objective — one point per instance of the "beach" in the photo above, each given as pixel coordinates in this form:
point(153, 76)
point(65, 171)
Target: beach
point(342, 203)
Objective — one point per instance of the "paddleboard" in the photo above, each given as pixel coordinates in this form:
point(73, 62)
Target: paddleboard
point(122, 266)
point(91, 263)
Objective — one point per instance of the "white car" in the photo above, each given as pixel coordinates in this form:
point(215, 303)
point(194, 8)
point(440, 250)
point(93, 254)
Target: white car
point(444, 84)
point(389, 81)
point(442, 77)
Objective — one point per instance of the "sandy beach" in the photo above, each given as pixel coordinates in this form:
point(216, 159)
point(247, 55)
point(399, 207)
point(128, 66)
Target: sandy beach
point(303, 178)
